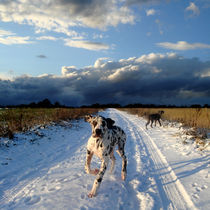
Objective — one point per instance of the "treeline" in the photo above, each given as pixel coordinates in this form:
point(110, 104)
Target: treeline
point(46, 103)
point(145, 106)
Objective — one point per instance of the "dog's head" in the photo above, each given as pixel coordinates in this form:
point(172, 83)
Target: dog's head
point(110, 122)
point(161, 112)
point(99, 125)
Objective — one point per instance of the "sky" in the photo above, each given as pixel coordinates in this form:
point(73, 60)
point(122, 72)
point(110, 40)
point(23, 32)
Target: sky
point(81, 52)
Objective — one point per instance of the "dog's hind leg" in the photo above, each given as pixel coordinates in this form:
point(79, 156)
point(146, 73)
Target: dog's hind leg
point(159, 122)
point(113, 159)
point(124, 164)
point(151, 123)
point(155, 122)
point(121, 153)
point(147, 123)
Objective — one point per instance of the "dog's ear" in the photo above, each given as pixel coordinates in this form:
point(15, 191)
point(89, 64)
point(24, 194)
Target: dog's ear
point(88, 117)
point(109, 122)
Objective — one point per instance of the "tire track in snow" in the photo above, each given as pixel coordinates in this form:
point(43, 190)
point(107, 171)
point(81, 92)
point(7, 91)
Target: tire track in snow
point(169, 184)
point(139, 176)
point(171, 191)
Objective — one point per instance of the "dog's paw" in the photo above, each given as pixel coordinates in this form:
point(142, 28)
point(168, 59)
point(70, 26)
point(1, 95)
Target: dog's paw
point(95, 171)
point(123, 176)
point(91, 195)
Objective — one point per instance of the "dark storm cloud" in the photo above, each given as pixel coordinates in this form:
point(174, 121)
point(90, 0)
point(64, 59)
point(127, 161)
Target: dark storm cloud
point(152, 78)
point(131, 2)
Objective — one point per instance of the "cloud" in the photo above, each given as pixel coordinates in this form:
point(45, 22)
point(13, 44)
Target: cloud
point(152, 78)
point(5, 33)
point(160, 25)
point(140, 2)
point(182, 45)
point(51, 38)
point(10, 38)
point(41, 56)
point(206, 4)
point(193, 9)
point(150, 12)
point(6, 75)
point(88, 45)
point(61, 16)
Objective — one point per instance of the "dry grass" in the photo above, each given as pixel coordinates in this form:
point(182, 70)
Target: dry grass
point(197, 120)
point(192, 117)
point(16, 120)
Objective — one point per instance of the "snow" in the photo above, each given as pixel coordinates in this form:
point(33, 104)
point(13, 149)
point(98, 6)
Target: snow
point(44, 169)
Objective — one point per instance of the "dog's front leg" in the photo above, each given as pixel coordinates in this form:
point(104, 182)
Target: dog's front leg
point(87, 164)
point(159, 122)
point(99, 177)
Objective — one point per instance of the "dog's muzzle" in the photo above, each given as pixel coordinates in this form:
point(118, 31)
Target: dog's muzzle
point(98, 133)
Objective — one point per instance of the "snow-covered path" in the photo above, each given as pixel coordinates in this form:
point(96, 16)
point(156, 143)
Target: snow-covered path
point(49, 173)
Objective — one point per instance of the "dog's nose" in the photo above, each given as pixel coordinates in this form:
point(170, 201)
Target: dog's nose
point(98, 131)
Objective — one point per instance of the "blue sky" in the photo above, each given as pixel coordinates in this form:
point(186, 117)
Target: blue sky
point(48, 47)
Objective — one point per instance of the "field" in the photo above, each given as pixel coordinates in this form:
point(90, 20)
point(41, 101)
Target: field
point(20, 119)
point(192, 117)
point(195, 121)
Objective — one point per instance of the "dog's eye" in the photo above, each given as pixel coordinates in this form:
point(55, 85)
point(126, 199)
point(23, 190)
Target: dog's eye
point(94, 123)
point(103, 124)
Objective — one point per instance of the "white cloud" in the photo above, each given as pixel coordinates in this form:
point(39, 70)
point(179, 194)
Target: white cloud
point(152, 57)
point(68, 70)
point(193, 8)
point(99, 62)
point(5, 33)
point(47, 38)
point(182, 45)
point(9, 75)
point(10, 40)
point(61, 16)
point(5, 76)
point(98, 36)
point(150, 12)
point(88, 45)
point(205, 73)
point(160, 26)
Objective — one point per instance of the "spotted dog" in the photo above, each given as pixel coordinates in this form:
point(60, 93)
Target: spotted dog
point(105, 136)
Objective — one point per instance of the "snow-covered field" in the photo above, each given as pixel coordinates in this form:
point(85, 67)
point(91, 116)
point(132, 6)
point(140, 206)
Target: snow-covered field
point(45, 170)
